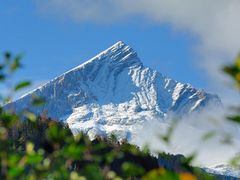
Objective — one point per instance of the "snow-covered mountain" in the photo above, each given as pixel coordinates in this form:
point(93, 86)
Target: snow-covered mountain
point(114, 91)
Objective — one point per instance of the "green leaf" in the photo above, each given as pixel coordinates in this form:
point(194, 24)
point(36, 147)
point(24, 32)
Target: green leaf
point(15, 64)
point(167, 137)
point(56, 133)
point(29, 148)
point(235, 161)
point(2, 66)
point(161, 174)
point(92, 171)
point(34, 158)
point(131, 169)
point(2, 77)
point(208, 135)
point(235, 119)
point(186, 162)
point(22, 85)
point(29, 115)
point(15, 171)
point(7, 56)
point(74, 151)
point(37, 101)
point(237, 61)
point(8, 120)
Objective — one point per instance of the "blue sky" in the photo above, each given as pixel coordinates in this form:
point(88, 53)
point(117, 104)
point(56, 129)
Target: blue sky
point(53, 43)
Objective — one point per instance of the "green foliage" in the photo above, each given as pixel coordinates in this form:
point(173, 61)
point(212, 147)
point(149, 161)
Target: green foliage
point(22, 85)
point(166, 138)
point(9, 65)
point(208, 135)
point(37, 101)
point(162, 174)
point(132, 170)
point(44, 149)
point(234, 71)
point(235, 118)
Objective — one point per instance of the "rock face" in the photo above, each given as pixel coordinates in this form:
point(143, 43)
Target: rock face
point(114, 91)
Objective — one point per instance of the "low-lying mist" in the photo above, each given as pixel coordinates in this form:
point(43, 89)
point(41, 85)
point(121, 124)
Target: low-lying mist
point(207, 134)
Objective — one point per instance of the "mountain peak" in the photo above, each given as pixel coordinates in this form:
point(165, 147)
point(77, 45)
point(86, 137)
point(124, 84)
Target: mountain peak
point(113, 91)
point(118, 44)
point(118, 53)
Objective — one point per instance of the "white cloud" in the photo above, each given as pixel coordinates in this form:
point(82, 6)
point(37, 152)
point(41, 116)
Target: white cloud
point(210, 152)
point(215, 22)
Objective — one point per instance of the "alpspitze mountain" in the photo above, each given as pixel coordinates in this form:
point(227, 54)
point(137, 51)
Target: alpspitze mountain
point(114, 93)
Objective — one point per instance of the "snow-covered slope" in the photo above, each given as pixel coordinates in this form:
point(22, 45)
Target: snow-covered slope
point(114, 91)
point(224, 170)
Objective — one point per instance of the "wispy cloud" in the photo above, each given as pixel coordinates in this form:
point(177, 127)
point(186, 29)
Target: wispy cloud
point(215, 22)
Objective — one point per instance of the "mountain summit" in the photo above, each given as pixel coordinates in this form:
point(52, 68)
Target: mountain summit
point(114, 91)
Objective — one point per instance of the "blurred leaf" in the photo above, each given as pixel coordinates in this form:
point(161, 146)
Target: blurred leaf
point(75, 176)
point(46, 163)
point(160, 174)
point(7, 99)
point(208, 135)
point(111, 175)
point(57, 133)
point(34, 158)
point(3, 133)
point(235, 161)
point(15, 64)
point(7, 56)
point(235, 119)
point(166, 138)
point(15, 171)
point(234, 71)
point(187, 176)
point(2, 77)
point(227, 139)
point(30, 148)
point(31, 116)
point(74, 151)
point(2, 66)
point(37, 101)
point(131, 169)
point(237, 61)
point(8, 120)
point(13, 159)
point(93, 172)
point(186, 162)
point(110, 157)
point(22, 85)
